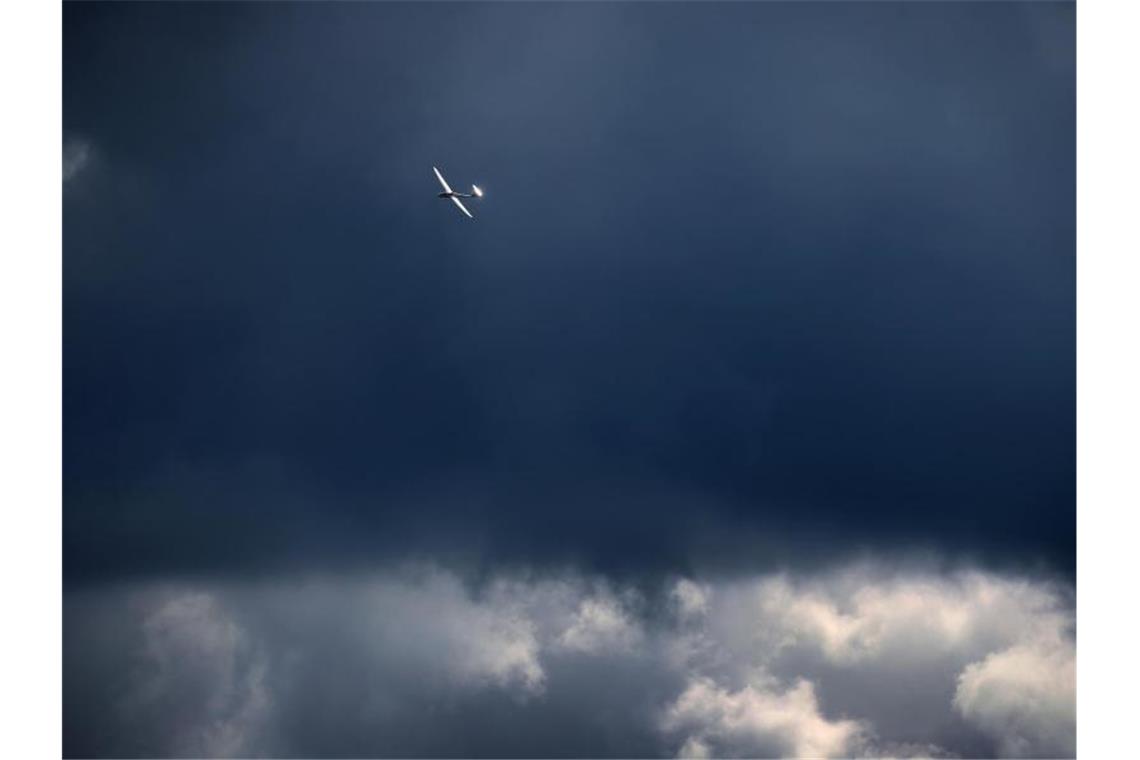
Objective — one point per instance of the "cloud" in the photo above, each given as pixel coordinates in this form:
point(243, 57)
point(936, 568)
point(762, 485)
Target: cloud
point(691, 598)
point(77, 155)
point(434, 622)
point(858, 615)
point(197, 684)
point(757, 721)
point(600, 623)
point(1025, 697)
point(859, 660)
point(899, 647)
point(197, 311)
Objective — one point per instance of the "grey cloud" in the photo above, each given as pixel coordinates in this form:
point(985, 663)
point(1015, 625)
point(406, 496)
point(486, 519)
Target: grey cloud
point(423, 661)
point(195, 655)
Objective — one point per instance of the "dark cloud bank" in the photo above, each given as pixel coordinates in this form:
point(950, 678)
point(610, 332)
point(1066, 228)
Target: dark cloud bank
point(739, 422)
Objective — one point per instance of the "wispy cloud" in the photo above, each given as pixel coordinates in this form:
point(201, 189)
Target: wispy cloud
point(77, 155)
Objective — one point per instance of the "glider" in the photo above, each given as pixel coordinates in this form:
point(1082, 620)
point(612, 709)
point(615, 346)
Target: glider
point(454, 196)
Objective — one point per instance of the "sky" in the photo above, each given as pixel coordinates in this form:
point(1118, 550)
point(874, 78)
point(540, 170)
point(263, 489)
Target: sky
point(739, 422)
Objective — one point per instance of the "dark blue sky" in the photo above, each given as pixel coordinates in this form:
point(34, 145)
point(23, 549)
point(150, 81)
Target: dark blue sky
point(752, 284)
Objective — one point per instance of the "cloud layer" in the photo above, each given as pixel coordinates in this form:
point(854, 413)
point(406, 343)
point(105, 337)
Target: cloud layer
point(857, 661)
point(754, 284)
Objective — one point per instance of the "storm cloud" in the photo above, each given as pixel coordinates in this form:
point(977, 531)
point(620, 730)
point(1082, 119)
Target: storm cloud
point(750, 281)
point(852, 661)
point(740, 421)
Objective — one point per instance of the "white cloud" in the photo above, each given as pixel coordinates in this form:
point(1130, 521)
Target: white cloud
point(758, 721)
point(1025, 697)
point(600, 624)
point(857, 616)
point(997, 650)
point(692, 599)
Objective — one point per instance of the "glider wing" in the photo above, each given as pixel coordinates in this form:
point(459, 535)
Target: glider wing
point(461, 206)
point(442, 181)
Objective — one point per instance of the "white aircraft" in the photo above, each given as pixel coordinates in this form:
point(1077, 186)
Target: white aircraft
point(454, 196)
